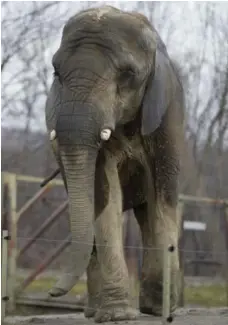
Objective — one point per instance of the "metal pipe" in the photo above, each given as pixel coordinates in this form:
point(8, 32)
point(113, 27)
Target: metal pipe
point(33, 179)
point(45, 264)
point(30, 202)
point(190, 198)
point(43, 227)
point(182, 197)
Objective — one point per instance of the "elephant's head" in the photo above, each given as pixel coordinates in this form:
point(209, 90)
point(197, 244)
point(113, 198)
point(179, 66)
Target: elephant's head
point(110, 64)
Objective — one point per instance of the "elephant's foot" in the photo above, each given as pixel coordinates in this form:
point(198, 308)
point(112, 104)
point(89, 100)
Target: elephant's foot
point(150, 300)
point(115, 303)
point(92, 307)
point(63, 285)
point(93, 286)
point(89, 312)
point(114, 313)
point(57, 292)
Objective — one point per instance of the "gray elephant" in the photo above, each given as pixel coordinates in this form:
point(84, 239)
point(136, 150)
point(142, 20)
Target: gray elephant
point(115, 118)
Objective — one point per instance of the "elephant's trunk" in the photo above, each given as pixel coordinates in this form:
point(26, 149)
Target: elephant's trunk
point(79, 170)
point(79, 161)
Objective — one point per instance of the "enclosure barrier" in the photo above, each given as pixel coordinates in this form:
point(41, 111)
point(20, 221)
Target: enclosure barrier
point(10, 213)
point(9, 181)
point(5, 241)
point(220, 202)
point(5, 247)
point(56, 214)
point(49, 259)
point(167, 256)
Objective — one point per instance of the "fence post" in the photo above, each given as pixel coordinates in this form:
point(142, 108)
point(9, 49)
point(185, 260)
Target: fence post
point(180, 209)
point(226, 242)
point(12, 183)
point(5, 240)
point(4, 247)
point(167, 261)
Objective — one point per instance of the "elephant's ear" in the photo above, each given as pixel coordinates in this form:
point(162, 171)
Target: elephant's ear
point(155, 99)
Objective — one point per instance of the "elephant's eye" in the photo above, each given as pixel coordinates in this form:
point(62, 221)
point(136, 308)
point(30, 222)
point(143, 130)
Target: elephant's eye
point(126, 77)
point(57, 75)
point(126, 74)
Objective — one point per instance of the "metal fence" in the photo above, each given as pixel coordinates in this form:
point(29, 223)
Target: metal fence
point(10, 218)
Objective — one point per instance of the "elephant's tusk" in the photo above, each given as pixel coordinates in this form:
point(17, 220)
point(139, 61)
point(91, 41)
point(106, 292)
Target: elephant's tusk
point(105, 134)
point(52, 135)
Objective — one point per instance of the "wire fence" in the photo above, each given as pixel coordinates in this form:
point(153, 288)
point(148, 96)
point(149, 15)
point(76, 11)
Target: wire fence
point(198, 290)
point(47, 254)
point(125, 246)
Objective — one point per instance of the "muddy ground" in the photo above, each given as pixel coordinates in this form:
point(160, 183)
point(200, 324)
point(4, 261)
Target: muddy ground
point(185, 316)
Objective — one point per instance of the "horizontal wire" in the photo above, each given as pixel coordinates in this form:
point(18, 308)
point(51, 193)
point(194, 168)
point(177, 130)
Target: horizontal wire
point(125, 246)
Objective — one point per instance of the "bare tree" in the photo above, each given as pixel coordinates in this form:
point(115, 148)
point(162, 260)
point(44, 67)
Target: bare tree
point(31, 31)
point(27, 34)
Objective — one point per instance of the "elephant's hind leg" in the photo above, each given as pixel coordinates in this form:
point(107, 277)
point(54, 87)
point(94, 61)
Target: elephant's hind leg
point(93, 285)
point(115, 300)
point(162, 225)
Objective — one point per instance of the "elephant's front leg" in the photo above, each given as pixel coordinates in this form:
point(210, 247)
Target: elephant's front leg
point(93, 285)
point(159, 228)
point(115, 291)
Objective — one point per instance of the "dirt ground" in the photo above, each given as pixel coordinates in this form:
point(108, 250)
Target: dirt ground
point(194, 316)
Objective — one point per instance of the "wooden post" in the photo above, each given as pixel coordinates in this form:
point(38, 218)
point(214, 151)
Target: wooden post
point(12, 182)
point(180, 210)
point(5, 241)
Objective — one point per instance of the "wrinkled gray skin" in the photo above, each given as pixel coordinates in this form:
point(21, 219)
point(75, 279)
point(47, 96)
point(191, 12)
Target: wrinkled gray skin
point(112, 71)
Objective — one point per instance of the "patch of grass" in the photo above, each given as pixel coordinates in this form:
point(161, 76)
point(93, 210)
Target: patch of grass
point(206, 295)
point(44, 284)
point(202, 295)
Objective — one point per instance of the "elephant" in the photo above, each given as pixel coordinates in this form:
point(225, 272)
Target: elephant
point(115, 116)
